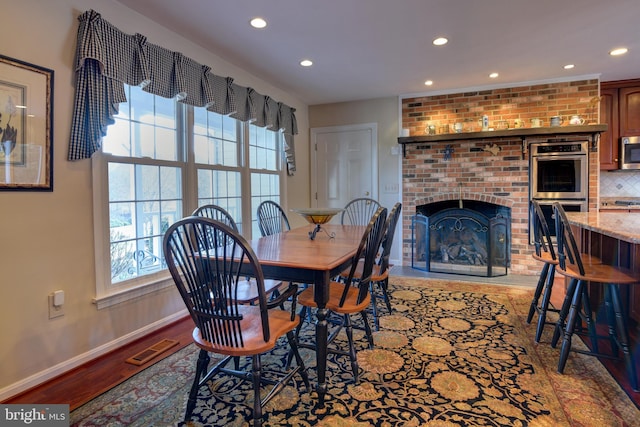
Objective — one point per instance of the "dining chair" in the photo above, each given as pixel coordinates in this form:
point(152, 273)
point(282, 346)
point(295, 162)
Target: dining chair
point(271, 218)
point(247, 289)
point(380, 274)
point(352, 296)
point(576, 309)
point(359, 211)
point(207, 273)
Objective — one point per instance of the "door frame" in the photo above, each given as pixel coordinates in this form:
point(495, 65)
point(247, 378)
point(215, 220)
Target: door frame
point(372, 127)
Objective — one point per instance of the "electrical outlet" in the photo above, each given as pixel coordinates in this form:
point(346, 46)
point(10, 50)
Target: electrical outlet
point(55, 311)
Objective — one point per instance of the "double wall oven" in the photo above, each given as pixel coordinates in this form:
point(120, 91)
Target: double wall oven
point(559, 172)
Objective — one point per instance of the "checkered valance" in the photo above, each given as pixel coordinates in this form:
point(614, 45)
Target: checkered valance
point(107, 58)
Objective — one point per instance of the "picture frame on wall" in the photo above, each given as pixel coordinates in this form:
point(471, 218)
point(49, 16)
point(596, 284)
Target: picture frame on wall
point(26, 126)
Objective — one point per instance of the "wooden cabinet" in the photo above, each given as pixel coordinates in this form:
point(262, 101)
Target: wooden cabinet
point(620, 110)
point(629, 104)
point(609, 146)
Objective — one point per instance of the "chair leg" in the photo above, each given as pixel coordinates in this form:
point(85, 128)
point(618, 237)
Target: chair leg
point(352, 349)
point(546, 297)
point(367, 329)
point(201, 367)
point(374, 305)
point(303, 313)
point(384, 285)
point(257, 403)
point(623, 336)
point(536, 295)
point(570, 325)
point(293, 344)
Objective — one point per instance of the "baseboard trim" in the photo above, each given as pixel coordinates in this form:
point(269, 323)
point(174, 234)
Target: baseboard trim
point(59, 369)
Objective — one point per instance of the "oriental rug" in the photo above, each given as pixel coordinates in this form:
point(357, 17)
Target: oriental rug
point(451, 354)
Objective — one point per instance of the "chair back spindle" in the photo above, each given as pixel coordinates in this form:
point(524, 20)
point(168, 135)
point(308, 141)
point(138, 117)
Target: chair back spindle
point(271, 218)
point(359, 211)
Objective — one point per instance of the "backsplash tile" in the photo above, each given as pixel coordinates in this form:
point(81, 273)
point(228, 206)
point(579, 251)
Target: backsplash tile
point(620, 184)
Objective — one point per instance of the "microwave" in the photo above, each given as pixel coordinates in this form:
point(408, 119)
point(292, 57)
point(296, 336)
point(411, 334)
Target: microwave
point(630, 152)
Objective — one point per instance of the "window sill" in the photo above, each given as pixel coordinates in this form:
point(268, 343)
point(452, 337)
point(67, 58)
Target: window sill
point(117, 297)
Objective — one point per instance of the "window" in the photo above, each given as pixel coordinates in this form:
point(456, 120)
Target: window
point(159, 161)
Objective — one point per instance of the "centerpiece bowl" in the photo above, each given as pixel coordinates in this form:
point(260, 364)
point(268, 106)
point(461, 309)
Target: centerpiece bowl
point(318, 216)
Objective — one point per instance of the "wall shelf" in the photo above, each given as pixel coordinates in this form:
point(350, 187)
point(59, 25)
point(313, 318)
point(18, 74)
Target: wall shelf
point(593, 131)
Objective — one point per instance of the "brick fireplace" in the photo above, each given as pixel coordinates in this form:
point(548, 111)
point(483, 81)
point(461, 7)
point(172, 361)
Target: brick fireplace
point(494, 169)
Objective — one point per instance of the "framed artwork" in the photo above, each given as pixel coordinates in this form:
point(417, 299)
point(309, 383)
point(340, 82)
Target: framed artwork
point(26, 126)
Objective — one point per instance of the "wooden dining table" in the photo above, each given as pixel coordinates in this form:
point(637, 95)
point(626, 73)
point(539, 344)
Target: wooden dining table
point(293, 256)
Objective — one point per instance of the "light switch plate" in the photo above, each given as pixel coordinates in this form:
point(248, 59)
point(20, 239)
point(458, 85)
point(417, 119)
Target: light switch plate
point(53, 310)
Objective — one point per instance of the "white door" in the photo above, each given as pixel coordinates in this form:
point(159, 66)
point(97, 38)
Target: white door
point(344, 164)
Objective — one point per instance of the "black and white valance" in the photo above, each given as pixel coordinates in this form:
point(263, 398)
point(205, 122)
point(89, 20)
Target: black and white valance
point(107, 59)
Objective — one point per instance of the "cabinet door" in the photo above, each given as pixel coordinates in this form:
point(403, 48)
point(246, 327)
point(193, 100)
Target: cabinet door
point(629, 99)
point(609, 146)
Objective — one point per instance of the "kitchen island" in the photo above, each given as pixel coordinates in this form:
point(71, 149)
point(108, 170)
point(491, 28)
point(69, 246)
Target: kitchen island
point(614, 237)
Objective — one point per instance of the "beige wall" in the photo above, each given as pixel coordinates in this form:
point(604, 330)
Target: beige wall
point(46, 239)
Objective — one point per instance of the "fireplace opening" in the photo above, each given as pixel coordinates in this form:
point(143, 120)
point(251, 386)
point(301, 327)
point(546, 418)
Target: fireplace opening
point(462, 237)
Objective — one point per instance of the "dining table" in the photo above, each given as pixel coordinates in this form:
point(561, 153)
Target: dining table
point(292, 256)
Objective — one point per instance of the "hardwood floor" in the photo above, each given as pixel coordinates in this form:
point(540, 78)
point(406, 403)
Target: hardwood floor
point(85, 382)
point(92, 379)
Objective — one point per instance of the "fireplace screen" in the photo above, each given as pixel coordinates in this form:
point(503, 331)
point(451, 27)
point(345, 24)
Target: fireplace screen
point(461, 241)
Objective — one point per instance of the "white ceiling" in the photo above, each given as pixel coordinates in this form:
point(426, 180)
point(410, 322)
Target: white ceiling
point(365, 49)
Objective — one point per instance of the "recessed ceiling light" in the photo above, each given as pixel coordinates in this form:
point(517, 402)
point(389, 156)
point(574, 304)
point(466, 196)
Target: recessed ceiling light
point(306, 63)
point(258, 23)
point(569, 66)
point(428, 82)
point(618, 51)
point(493, 75)
point(440, 41)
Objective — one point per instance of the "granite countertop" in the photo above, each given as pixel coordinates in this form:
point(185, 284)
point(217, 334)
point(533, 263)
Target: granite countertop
point(619, 225)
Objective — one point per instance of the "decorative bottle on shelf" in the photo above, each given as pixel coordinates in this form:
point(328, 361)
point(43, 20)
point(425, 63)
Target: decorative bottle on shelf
point(485, 122)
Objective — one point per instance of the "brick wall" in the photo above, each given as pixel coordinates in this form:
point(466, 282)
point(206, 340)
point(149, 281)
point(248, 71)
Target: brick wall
point(474, 172)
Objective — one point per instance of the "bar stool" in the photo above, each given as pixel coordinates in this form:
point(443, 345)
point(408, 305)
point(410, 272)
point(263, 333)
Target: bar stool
point(545, 253)
point(576, 307)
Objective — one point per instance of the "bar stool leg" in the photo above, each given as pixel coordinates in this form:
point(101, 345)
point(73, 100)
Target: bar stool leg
point(611, 320)
point(588, 317)
point(566, 304)
point(546, 297)
point(574, 311)
point(536, 295)
point(623, 336)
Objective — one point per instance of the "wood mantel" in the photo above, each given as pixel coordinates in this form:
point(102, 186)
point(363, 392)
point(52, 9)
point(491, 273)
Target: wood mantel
point(593, 131)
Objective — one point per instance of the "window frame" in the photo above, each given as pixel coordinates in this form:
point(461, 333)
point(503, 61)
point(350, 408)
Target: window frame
point(108, 293)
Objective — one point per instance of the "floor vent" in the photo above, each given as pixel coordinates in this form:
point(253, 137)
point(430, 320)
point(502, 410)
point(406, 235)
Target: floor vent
point(149, 353)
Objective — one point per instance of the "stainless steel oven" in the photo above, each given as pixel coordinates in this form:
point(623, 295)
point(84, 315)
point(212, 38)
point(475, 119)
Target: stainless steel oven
point(559, 170)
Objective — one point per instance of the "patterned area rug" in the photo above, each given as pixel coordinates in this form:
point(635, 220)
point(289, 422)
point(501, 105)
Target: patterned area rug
point(451, 354)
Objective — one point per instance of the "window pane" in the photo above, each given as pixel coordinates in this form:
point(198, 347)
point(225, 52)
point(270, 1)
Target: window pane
point(120, 185)
point(141, 105)
point(118, 139)
point(219, 144)
point(263, 148)
point(222, 188)
point(263, 187)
